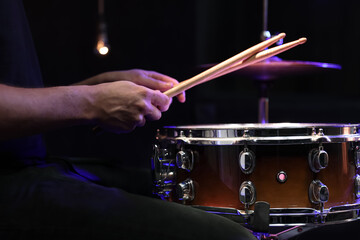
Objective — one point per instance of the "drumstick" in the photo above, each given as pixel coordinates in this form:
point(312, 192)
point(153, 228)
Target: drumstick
point(205, 75)
point(260, 57)
point(241, 60)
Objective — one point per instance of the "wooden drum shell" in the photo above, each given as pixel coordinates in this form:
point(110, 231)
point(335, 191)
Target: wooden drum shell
point(217, 176)
point(279, 148)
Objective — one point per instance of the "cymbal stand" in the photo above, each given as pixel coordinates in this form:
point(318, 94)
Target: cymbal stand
point(263, 102)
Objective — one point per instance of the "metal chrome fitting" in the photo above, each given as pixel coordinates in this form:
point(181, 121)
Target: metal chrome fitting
point(185, 160)
point(247, 193)
point(163, 171)
point(318, 159)
point(247, 161)
point(318, 192)
point(281, 177)
point(357, 186)
point(357, 156)
point(185, 190)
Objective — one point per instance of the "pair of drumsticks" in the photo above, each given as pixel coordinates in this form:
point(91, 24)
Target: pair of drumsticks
point(250, 56)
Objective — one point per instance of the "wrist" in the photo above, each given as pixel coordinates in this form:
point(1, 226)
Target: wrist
point(85, 109)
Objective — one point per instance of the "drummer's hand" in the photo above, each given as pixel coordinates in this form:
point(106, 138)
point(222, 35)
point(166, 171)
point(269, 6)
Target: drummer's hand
point(150, 79)
point(121, 106)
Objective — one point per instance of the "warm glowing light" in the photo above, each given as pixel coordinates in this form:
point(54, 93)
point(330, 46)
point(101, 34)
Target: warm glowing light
point(102, 48)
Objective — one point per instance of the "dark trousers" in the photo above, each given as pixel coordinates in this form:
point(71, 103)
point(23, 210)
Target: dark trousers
point(61, 201)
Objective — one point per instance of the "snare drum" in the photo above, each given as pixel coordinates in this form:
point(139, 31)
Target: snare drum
point(308, 173)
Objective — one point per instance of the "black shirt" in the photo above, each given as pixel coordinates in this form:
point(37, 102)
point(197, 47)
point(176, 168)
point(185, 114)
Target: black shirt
point(18, 67)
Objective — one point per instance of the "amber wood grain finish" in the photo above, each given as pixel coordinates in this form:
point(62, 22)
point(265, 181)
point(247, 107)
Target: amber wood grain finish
point(218, 176)
point(339, 175)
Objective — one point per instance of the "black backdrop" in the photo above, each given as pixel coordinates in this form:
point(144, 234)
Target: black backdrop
point(176, 37)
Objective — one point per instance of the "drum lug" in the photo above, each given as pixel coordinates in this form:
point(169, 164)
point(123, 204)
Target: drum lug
point(247, 193)
point(318, 192)
point(163, 171)
point(318, 159)
point(185, 190)
point(357, 156)
point(247, 161)
point(357, 186)
point(185, 160)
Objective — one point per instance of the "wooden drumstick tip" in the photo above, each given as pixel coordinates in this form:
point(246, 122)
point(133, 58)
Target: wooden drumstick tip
point(281, 35)
point(302, 40)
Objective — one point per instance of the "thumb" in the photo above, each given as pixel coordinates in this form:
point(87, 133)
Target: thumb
point(160, 100)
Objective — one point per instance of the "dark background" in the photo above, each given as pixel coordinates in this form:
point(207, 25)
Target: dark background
point(175, 38)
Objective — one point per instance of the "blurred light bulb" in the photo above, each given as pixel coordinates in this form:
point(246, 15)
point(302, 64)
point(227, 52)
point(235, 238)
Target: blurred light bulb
point(102, 45)
point(102, 48)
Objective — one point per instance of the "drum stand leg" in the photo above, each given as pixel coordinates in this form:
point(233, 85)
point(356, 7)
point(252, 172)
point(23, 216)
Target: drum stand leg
point(260, 224)
point(288, 233)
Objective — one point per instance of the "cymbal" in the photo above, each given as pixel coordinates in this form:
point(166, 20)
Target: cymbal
point(276, 68)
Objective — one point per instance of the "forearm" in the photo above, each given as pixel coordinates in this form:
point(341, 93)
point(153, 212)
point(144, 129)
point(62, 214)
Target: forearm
point(30, 111)
point(101, 78)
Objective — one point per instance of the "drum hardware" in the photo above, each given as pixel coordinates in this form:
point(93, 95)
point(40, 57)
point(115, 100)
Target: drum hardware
point(357, 186)
point(265, 73)
point(185, 190)
point(289, 217)
point(320, 136)
point(278, 145)
point(293, 220)
point(318, 192)
point(260, 221)
point(322, 215)
point(247, 161)
point(357, 156)
point(163, 171)
point(318, 159)
point(321, 132)
point(190, 134)
point(313, 131)
point(247, 194)
point(281, 177)
point(246, 134)
point(185, 160)
point(272, 133)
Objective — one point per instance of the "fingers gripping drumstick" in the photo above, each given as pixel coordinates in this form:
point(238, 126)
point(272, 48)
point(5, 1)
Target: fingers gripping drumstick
point(250, 56)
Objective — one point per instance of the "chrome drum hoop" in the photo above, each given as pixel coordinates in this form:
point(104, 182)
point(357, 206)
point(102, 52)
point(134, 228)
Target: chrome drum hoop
point(288, 217)
point(306, 216)
point(261, 134)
